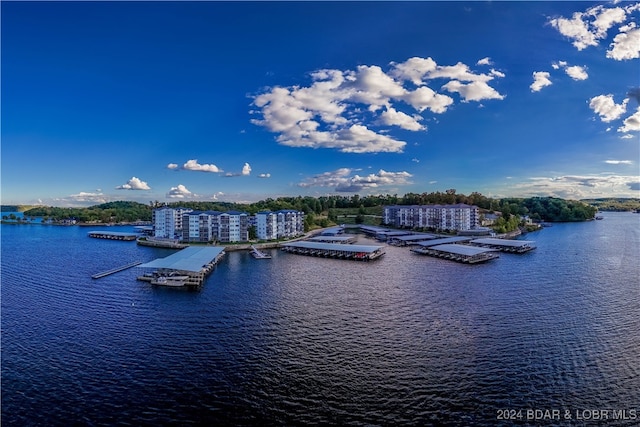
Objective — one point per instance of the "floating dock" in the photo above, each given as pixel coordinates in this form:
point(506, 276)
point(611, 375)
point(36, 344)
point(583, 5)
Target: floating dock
point(504, 245)
point(115, 270)
point(112, 235)
point(335, 250)
point(258, 254)
point(186, 268)
point(460, 253)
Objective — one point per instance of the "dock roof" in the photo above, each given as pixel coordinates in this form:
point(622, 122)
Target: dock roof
point(461, 249)
point(412, 237)
point(331, 238)
point(334, 247)
point(445, 240)
point(503, 242)
point(192, 258)
point(112, 233)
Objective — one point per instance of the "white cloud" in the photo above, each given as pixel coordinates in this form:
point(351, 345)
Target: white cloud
point(606, 108)
point(576, 72)
point(631, 123)
point(193, 165)
point(82, 198)
point(246, 169)
point(348, 110)
point(576, 186)
point(172, 166)
point(540, 80)
point(342, 180)
point(619, 162)
point(474, 91)
point(628, 136)
point(179, 192)
point(264, 175)
point(134, 184)
point(626, 45)
point(484, 61)
point(590, 27)
point(393, 117)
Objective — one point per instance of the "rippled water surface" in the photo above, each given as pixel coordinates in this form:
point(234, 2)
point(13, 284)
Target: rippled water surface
point(407, 340)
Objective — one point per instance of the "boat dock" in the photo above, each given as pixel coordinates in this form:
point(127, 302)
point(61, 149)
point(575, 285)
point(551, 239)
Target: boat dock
point(335, 250)
point(257, 254)
point(411, 239)
point(504, 245)
point(443, 241)
point(115, 270)
point(112, 235)
point(186, 268)
point(461, 253)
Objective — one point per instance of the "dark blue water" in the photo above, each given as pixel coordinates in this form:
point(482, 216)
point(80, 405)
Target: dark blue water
point(405, 340)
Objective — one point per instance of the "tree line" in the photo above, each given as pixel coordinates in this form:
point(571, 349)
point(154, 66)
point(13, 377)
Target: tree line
point(323, 210)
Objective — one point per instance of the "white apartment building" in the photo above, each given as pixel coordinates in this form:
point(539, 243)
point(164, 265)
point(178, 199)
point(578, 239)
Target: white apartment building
point(279, 224)
point(442, 217)
point(209, 226)
point(167, 222)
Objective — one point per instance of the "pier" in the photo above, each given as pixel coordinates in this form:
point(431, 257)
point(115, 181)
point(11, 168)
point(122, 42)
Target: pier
point(459, 253)
point(115, 270)
point(186, 268)
point(335, 250)
point(112, 235)
point(411, 239)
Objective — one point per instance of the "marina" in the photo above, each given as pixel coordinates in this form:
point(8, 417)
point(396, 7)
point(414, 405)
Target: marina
point(335, 250)
point(187, 267)
point(459, 253)
point(112, 235)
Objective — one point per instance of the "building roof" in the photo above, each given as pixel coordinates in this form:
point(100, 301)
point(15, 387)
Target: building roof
point(446, 240)
point(192, 258)
point(503, 242)
point(334, 247)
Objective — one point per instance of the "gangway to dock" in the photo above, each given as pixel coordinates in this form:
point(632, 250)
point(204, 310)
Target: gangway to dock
point(115, 270)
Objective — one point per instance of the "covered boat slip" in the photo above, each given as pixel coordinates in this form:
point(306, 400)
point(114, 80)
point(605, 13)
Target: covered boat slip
point(460, 253)
point(335, 250)
point(504, 245)
point(333, 239)
point(444, 241)
point(192, 264)
point(411, 239)
point(112, 235)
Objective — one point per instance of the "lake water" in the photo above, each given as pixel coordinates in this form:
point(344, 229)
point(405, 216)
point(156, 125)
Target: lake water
point(405, 340)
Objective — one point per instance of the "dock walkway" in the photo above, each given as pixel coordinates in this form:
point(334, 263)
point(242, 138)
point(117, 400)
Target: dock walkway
point(115, 270)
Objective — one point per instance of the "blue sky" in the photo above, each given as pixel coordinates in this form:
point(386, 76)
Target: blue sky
point(240, 101)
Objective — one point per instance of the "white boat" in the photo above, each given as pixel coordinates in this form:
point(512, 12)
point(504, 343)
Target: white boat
point(173, 281)
point(259, 254)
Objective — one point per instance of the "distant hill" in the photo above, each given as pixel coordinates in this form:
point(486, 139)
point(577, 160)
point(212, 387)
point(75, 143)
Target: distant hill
point(15, 208)
point(614, 204)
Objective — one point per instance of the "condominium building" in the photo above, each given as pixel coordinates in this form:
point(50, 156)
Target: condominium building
point(209, 226)
point(279, 224)
point(442, 217)
point(167, 222)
